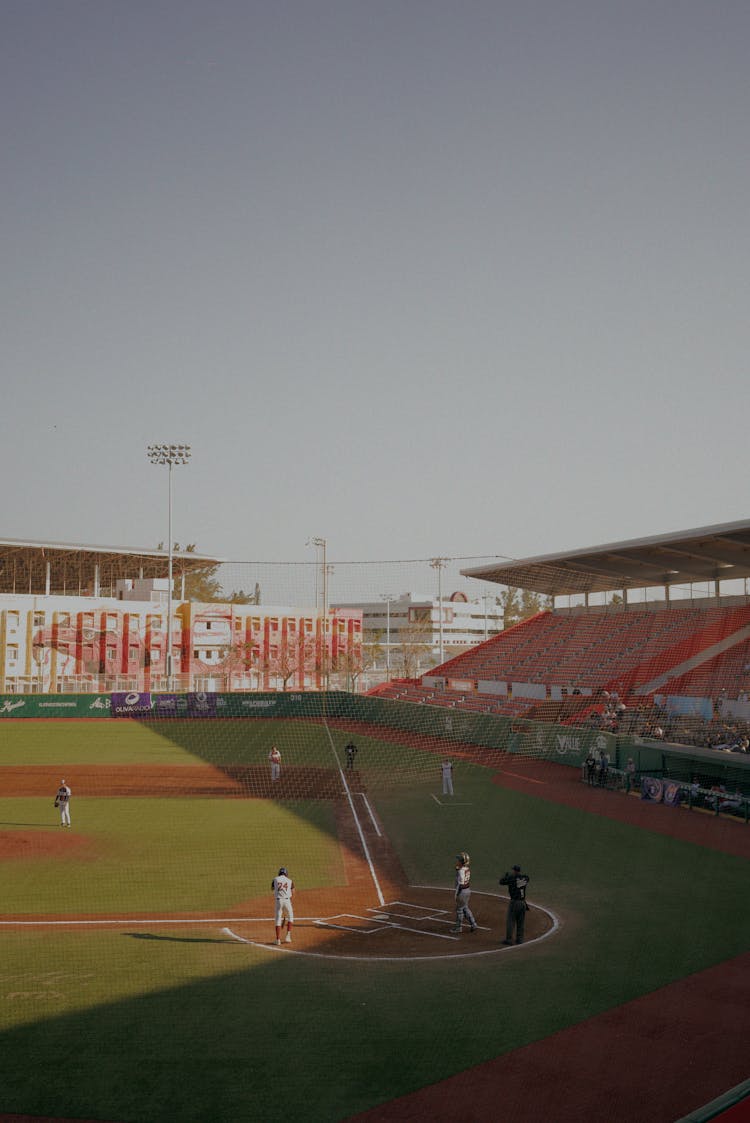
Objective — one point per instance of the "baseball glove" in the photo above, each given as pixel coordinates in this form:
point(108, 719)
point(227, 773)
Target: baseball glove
point(56, 804)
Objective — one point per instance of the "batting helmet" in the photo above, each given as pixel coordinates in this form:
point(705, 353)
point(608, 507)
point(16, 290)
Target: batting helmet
point(463, 858)
point(283, 870)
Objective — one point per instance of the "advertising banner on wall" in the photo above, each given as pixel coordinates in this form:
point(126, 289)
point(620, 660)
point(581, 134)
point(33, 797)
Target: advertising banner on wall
point(652, 789)
point(54, 706)
point(203, 704)
point(130, 703)
point(170, 705)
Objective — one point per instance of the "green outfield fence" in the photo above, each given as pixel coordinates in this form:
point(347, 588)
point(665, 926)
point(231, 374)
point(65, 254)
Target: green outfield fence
point(558, 743)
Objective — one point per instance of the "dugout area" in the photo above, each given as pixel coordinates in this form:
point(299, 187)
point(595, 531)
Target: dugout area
point(207, 1016)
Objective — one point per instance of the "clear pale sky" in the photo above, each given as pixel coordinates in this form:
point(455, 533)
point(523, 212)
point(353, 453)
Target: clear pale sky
point(420, 278)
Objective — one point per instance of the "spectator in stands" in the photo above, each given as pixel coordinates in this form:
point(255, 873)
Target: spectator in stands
point(603, 768)
point(630, 774)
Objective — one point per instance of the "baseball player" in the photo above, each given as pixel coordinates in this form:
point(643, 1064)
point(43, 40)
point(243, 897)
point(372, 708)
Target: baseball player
point(283, 890)
point(351, 752)
point(447, 770)
point(275, 758)
point(463, 893)
point(62, 800)
point(517, 907)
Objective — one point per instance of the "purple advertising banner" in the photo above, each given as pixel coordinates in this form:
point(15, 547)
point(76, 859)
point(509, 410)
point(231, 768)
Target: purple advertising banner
point(170, 705)
point(672, 794)
point(130, 704)
point(652, 789)
point(201, 704)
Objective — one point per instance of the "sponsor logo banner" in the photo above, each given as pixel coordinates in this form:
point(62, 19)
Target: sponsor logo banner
point(652, 790)
point(170, 705)
point(10, 704)
point(202, 704)
point(672, 794)
point(130, 703)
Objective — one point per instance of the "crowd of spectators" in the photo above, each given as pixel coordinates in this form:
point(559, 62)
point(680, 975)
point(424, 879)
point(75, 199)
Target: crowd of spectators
point(652, 722)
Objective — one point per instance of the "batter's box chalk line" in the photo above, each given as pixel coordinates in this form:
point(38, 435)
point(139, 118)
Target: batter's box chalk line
point(359, 929)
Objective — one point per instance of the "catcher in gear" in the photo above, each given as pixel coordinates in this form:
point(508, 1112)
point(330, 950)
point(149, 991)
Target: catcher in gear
point(463, 893)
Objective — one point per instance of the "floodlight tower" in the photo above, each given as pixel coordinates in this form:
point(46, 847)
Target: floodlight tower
point(169, 455)
point(438, 563)
point(322, 544)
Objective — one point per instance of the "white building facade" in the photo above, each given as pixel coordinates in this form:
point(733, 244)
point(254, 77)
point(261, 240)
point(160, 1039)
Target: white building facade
point(407, 633)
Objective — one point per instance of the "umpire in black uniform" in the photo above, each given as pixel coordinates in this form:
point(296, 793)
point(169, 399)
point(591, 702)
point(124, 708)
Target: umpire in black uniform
point(517, 907)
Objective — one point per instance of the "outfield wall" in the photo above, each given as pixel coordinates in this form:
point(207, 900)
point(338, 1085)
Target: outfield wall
point(556, 743)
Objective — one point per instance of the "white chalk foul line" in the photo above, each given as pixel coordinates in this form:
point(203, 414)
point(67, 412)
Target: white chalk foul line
point(372, 817)
point(358, 825)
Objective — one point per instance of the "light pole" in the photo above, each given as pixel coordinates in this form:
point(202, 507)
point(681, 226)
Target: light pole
point(322, 544)
point(169, 455)
point(387, 598)
point(438, 563)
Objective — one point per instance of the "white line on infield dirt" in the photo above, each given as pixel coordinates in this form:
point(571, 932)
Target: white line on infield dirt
point(357, 823)
point(372, 817)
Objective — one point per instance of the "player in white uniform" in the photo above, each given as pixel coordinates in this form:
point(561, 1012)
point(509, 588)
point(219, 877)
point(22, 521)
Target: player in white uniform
point(447, 769)
point(283, 890)
point(62, 800)
point(463, 893)
point(275, 758)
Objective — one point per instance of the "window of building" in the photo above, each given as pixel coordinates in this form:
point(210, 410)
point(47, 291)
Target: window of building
point(111, 653)
point(12, 654)
point(38, 619)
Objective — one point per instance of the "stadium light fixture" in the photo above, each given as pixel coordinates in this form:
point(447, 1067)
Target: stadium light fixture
point(438, 563)
point(169, 454)
point(322, 544)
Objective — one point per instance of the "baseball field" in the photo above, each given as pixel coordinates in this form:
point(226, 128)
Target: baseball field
point(140, 980)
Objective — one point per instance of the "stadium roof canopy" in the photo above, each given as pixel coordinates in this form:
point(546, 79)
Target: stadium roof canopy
point(41, 568)
point(709, 553)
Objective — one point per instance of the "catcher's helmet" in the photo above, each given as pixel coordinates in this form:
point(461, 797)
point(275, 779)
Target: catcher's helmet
point(283, 871)
point(463, 858)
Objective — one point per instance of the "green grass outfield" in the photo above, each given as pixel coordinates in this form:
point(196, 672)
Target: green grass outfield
point(175, 1022)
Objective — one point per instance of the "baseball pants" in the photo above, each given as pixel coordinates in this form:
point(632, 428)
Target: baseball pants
point(463, 912)
point(516, 919)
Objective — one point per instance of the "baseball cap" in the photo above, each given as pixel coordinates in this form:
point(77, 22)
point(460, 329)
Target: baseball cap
point(516, 867)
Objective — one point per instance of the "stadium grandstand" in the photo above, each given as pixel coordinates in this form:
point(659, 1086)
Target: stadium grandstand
point(674, 668)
